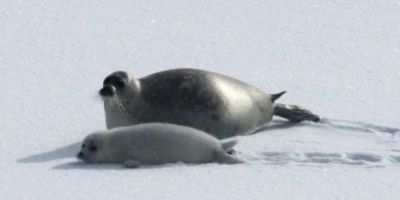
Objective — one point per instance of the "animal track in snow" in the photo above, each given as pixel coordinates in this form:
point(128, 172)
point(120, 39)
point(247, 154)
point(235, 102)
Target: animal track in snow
point(352, 158)
point(396, 158)
point(364, 157)
point(359, 126)
point(318, 157)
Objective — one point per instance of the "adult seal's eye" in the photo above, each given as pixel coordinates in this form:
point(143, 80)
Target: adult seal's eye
point(119, 83)
point(93, 148)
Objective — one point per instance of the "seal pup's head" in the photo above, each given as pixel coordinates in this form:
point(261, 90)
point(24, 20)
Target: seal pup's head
point(94, 149)
point(119, 89)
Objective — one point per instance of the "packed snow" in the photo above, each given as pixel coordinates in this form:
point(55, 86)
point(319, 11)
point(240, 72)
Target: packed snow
point(338, 58)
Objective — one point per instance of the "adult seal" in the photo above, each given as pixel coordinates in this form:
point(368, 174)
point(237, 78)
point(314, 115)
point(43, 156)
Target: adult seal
point(155, 143)
point(217, 104)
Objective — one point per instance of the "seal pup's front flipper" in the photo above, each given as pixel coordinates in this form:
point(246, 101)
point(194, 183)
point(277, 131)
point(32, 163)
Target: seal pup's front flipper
point(294, 113)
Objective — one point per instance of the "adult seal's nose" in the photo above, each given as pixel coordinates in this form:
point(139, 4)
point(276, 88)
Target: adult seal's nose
point(107, 91)
point(80, 155)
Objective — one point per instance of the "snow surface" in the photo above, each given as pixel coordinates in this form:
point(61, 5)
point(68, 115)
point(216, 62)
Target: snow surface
point(339, 58)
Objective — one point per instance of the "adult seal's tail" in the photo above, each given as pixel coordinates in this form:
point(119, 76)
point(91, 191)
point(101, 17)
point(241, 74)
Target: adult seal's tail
point(217, 104)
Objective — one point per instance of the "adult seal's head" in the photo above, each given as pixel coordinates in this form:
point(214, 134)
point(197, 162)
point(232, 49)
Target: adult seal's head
point(120, 92)
point(119, 84)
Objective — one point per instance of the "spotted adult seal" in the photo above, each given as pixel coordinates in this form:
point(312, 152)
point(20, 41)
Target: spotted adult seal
point(155, 143)
point(217, 104)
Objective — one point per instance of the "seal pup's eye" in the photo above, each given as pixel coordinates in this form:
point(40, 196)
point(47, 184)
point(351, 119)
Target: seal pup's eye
point(93, 148)
point(83, 146)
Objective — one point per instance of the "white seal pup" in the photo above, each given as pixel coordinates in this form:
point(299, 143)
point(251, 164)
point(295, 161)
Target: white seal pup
point(217, 104)
point(155, 143)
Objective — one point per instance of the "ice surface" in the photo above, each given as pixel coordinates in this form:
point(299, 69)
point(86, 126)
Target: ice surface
point(338, 58)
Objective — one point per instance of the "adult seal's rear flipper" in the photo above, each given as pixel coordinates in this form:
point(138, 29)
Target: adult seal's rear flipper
point(294, 113)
